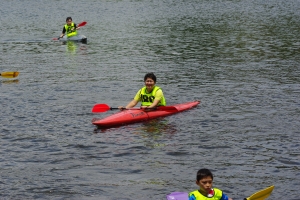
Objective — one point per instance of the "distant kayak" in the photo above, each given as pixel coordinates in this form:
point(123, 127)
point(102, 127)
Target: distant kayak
point(77, 38)
point(137, 115)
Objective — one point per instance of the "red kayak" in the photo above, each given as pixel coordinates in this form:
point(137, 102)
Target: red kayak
point(137, 115)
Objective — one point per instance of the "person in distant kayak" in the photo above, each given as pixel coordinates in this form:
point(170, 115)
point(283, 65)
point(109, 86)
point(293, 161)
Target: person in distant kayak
point(150, 95)
point(204, 180)
point(69, 28)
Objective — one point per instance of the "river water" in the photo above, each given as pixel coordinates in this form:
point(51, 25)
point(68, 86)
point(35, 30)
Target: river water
point(239, 57)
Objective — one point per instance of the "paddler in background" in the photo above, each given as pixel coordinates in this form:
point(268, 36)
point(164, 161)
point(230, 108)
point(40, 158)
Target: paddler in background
point(150, 95)
point(69, 28)
point(204, 180)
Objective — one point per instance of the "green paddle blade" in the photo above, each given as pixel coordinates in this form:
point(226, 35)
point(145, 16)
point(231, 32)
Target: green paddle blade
point(262, 194)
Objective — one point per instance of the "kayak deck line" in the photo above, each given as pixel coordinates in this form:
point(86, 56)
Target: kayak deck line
point(135, 115)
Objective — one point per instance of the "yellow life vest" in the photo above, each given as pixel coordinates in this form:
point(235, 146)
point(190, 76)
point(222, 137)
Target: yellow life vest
point(69, 31)
point(148, 98)
point(217, 195)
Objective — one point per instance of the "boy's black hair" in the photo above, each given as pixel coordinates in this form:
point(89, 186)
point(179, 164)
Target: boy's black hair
point(69, 18)
point(150, 75)
point(202, 173)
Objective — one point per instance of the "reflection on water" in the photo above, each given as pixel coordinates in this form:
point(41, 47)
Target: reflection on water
point(71, 47)
point(9, 81)
point(155, 128)
point(153, 133)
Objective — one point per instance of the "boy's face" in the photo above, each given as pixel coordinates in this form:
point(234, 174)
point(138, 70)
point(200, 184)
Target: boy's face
point(205, 184)
point(69, 22)
point(149, 84)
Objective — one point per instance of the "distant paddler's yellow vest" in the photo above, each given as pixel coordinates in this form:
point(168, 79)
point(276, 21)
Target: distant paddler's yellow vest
point(69, 31)
point(148, 98)
point(199, 196)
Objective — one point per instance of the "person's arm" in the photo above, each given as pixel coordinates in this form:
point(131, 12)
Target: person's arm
point(74, 27)
point(192, 197)
point(129, 105)
point(132, 103)
point(63, 32)
point(77, 28)
point(153, 105)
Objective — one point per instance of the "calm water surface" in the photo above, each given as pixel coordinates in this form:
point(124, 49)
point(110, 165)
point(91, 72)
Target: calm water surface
point(240, 58)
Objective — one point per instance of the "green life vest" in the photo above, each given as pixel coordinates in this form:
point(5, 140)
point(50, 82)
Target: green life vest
point(69, 31)
point(148, 98)
point(217, 195)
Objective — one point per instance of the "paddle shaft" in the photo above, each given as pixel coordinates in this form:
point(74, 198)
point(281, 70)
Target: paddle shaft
point(111, 108)
point(146, 109)
point(105, 107)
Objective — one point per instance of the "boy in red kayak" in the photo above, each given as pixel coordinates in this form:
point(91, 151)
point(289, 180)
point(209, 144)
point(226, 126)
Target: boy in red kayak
point(150, 95)
point(204, 180)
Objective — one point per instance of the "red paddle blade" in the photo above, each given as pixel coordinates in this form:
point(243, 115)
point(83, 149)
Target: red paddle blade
point(82, 24)
point(55, 39)
point(100, 108)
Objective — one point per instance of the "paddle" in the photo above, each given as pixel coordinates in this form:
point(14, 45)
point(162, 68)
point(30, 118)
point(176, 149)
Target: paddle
point(105, 107)
point(79, 25)
point(260, 195)
point(9, 74)
point(82, 24)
